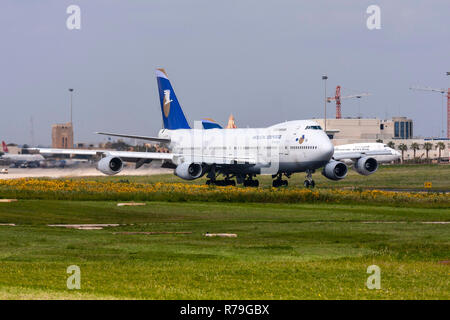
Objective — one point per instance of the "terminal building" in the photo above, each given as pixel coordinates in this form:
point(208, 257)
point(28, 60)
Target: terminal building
point(354, 130)
point(396, 131)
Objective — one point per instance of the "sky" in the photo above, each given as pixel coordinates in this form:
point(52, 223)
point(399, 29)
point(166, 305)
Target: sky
point(262, 61)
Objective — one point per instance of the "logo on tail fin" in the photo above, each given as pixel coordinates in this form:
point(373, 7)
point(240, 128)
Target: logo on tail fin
point(172, 114)
point(5, 147)
point(167, 102)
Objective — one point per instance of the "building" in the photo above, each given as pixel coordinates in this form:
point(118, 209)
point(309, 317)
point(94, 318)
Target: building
point(354, 130)
point(62, 135)
point(397, 131)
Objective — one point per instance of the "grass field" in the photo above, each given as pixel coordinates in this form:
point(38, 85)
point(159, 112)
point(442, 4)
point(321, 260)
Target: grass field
point(306, 249)
point(283, 251)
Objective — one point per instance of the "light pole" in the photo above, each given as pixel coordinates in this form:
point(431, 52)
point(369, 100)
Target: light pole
point(448, 109)
point(324, 77)
point(71, 94)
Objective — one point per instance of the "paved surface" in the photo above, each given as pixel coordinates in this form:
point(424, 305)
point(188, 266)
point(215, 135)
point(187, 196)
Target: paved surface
point(76, 172)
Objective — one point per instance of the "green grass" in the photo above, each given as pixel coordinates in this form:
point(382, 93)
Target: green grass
point(387, 177)
point(283, 251)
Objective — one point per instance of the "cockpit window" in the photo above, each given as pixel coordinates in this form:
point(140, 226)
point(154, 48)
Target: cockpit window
point(313, 128)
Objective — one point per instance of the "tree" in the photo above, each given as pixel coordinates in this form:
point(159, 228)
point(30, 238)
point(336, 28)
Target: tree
point(427, 146)
point(440, 146)
point(379, 141)
point(415, 146)
point(391, 144)
point(403, 147)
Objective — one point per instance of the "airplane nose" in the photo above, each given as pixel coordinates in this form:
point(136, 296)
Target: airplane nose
point(327, 148)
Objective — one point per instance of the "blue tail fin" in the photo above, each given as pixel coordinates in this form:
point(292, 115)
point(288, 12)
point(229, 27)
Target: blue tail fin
point(173, 116)
point(210, 124)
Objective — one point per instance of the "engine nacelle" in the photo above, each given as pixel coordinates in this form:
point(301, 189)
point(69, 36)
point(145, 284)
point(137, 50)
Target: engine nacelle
point(366, 166)
point(335, 170)
point(110, 165)
point(189, 171)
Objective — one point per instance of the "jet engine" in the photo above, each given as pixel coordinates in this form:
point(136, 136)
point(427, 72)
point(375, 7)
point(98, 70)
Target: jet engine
point(189, 171)
point(335, 170)
point(366, 166)
point(110, 165)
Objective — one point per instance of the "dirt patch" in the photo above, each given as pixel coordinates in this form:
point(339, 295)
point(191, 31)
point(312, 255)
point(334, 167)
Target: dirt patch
point(85, 226)
point(156, 232)
point(131, 204)
point(223, 235)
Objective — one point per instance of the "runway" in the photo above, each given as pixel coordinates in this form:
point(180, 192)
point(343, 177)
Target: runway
point(15, 173)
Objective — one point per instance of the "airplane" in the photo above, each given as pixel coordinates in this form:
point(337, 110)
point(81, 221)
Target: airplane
point(21, 160)
point(370, 148)
point(241, 154)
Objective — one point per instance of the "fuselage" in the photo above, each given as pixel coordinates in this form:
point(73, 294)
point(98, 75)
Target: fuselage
point(393, 155)
point(22, 158)
point(289, 147)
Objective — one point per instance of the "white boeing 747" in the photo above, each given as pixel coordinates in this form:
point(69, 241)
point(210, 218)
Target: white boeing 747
point(379, 151)
point(238, 155)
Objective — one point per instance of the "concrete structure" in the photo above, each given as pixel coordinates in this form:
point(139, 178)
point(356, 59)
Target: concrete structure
point(62, 136)
point(14, 149)
point(354, 130)
point(398, 130)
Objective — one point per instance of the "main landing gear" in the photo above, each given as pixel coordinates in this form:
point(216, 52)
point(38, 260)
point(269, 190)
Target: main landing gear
point(249, 182)
point(309, 182)
point(278, 182)
point(225, 182)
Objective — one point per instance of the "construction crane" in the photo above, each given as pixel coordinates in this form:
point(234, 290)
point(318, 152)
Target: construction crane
point(338, 99)
point(441, 91)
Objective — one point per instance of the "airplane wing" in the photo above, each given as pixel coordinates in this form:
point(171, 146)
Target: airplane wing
point(164, 140)
point(132, 156)
point(125, 155)
point(340, 155)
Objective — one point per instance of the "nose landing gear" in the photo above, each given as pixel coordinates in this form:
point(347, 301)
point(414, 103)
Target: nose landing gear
point(309, 182)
